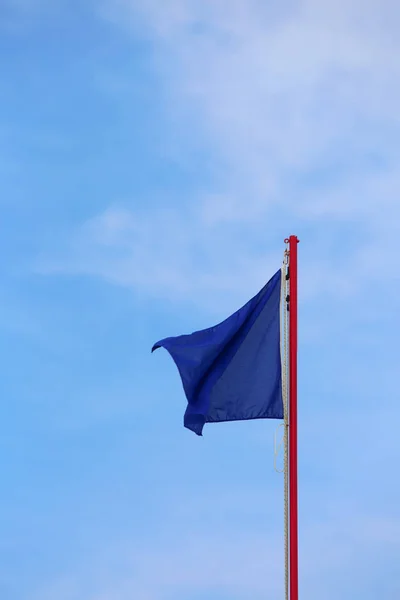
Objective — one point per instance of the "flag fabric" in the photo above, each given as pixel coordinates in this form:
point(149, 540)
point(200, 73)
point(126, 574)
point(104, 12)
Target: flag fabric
point(232, 372)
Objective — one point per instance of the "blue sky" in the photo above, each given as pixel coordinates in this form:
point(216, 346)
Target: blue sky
point(154, 155)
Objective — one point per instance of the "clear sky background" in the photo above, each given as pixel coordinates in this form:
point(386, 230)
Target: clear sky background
point(154, 155)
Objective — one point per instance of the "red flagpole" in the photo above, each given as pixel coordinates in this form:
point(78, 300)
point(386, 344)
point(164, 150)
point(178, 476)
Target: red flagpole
point(293, 496)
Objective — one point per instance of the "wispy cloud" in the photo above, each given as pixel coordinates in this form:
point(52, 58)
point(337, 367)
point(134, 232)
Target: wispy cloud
point(278, 88)
point(298, 107)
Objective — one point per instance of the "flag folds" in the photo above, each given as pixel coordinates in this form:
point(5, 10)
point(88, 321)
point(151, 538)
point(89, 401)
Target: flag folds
point(232, 372)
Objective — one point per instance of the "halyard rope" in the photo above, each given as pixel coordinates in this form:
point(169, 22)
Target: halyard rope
point(285, 424)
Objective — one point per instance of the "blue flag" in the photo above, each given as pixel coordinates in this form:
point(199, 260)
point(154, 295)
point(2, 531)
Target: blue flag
point(232, 372)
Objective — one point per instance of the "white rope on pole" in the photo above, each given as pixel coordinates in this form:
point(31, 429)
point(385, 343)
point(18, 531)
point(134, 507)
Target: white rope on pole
point(285, 424)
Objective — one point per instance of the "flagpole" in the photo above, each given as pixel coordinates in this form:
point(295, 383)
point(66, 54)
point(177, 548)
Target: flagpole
point(293, 494)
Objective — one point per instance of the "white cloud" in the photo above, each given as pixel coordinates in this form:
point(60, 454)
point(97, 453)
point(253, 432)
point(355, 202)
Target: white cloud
point(280, 91)
point(160, 252)
point(276, 88)
point(298, 106)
